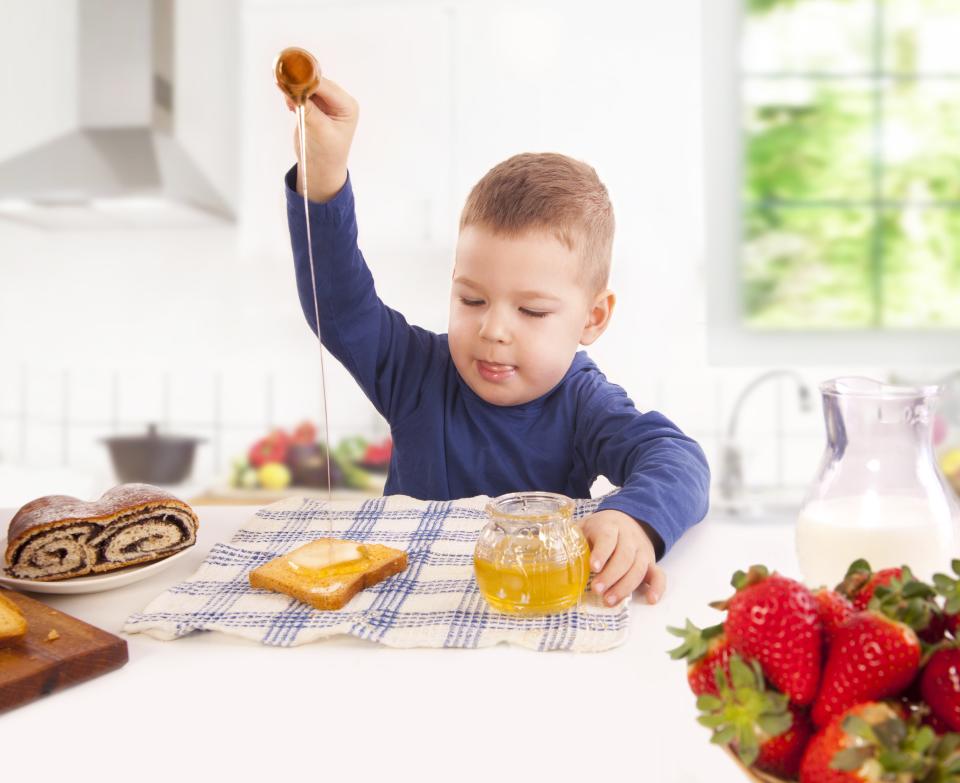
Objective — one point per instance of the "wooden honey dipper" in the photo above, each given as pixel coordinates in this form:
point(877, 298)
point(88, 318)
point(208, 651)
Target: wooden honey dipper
point(297, 73)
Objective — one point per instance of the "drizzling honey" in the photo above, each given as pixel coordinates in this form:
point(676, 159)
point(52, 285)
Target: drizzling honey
point(323, 559)
point(297, 73)
point(319, 566)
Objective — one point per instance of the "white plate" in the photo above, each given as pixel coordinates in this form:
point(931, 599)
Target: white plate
point(90, 584)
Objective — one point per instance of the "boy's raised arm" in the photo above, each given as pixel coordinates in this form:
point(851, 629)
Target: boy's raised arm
point(663, 474)
point(375, 343)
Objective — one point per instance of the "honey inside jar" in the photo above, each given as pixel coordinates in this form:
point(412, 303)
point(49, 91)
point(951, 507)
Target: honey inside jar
point(533, 587)
point(530, 558)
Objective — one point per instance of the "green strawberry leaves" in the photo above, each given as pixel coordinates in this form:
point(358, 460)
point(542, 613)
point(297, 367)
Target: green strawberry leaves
point(744, 714)
point(696, 641)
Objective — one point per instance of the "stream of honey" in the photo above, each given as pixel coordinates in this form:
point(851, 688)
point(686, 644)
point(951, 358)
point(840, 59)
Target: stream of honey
point(302, 126)
point(298, 75)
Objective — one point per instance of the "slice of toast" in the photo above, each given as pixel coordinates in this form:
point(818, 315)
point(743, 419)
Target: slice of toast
point(328, 572)
point(13, 624)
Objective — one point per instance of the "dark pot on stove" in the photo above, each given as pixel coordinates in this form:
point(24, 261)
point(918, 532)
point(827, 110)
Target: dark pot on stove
point(152, 458)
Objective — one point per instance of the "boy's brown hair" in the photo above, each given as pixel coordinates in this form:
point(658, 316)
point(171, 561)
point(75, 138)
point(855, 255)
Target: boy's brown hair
point(550, 192)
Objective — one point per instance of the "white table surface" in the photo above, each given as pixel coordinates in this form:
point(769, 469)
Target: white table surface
point(215, 704)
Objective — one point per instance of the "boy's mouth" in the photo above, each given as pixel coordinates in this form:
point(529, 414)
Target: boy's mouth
point(495, 372)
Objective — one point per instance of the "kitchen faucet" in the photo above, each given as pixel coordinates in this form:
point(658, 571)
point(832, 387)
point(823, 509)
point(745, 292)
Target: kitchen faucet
point(730, 481)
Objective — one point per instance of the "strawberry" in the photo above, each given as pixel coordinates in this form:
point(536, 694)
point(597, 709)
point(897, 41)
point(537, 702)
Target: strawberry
point(872, 657)
point(940, 685)
point(931, 720)
point(705, 649)
point(759, 724)
point(871, 741)
point(773, 620)
point(952, 621)
point(834, 609)
point(860, 582)
point(781, 755)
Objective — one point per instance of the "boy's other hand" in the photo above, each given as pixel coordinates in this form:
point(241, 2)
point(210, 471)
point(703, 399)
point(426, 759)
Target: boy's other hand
point(622, 557)
point(331, 119)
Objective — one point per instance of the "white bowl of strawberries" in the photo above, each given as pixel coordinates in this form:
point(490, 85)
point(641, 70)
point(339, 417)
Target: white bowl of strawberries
point(859, 683)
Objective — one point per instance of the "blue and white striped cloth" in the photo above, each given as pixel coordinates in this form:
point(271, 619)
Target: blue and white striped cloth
point(433, 603)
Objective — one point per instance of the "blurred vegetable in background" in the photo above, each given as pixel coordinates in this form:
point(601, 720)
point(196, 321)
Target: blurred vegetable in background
point(282, 459)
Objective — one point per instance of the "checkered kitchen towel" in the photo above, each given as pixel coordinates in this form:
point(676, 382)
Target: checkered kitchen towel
point(433, 603)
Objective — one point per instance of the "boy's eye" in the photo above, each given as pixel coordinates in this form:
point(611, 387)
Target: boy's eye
point(533, 313)
point(471, 302)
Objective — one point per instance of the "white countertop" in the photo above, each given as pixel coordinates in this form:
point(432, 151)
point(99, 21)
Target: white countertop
point(210, 703)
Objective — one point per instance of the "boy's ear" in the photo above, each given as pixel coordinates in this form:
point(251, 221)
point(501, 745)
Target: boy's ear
point(599, 318)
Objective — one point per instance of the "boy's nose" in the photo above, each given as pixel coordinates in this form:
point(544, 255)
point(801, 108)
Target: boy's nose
point(492, 329)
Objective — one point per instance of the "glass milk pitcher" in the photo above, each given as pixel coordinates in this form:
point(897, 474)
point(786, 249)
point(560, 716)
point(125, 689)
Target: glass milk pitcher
point(878, 494)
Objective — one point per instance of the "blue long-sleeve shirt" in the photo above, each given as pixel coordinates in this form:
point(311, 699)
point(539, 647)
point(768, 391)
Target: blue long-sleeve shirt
point(447, 441)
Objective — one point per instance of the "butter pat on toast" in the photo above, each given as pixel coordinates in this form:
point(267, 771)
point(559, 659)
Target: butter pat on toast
point(328, 572)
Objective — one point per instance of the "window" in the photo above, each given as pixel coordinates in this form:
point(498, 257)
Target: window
point(833, 155)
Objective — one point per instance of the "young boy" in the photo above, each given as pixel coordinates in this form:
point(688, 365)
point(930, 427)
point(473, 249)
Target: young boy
point(504, 401)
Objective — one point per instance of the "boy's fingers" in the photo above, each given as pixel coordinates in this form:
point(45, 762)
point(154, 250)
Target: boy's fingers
point(602, 545)
point(619, 564)
point(333, 100)
point(629, 582)
point(654, 582)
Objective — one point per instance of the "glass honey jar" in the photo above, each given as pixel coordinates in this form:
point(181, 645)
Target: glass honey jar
point(530, 557)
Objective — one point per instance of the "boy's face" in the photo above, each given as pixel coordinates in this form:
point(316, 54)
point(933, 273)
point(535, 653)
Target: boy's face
point(517, 313)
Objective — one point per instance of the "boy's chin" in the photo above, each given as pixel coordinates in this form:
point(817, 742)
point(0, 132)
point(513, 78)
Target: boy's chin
point(500, 394)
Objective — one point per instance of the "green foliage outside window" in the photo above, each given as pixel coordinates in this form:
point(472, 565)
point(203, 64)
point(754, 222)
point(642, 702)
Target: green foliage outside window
point(851, 187)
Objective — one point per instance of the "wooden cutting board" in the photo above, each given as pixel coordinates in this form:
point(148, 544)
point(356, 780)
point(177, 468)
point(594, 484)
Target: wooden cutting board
point(34, 666)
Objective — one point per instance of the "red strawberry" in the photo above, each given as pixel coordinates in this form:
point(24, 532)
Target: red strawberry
point(936, 631)
point(705, 649)
point(931, 720)
point(860, 582)
point(834, 609)
point(773, 620)
point(759, 725)
point(850, 749)
point(881, 745)
point(940, 686)
point(952, 621)
point(781, 755)
point(872, 657)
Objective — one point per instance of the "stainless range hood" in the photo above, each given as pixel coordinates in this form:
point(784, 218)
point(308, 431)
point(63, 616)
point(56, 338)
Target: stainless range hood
point(124, 149)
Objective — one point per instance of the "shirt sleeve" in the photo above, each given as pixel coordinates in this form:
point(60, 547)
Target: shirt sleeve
point(387, 356)
point(663, 474)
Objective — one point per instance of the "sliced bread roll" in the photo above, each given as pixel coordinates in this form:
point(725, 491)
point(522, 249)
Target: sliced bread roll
point(59, 537)
point(328, 572)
